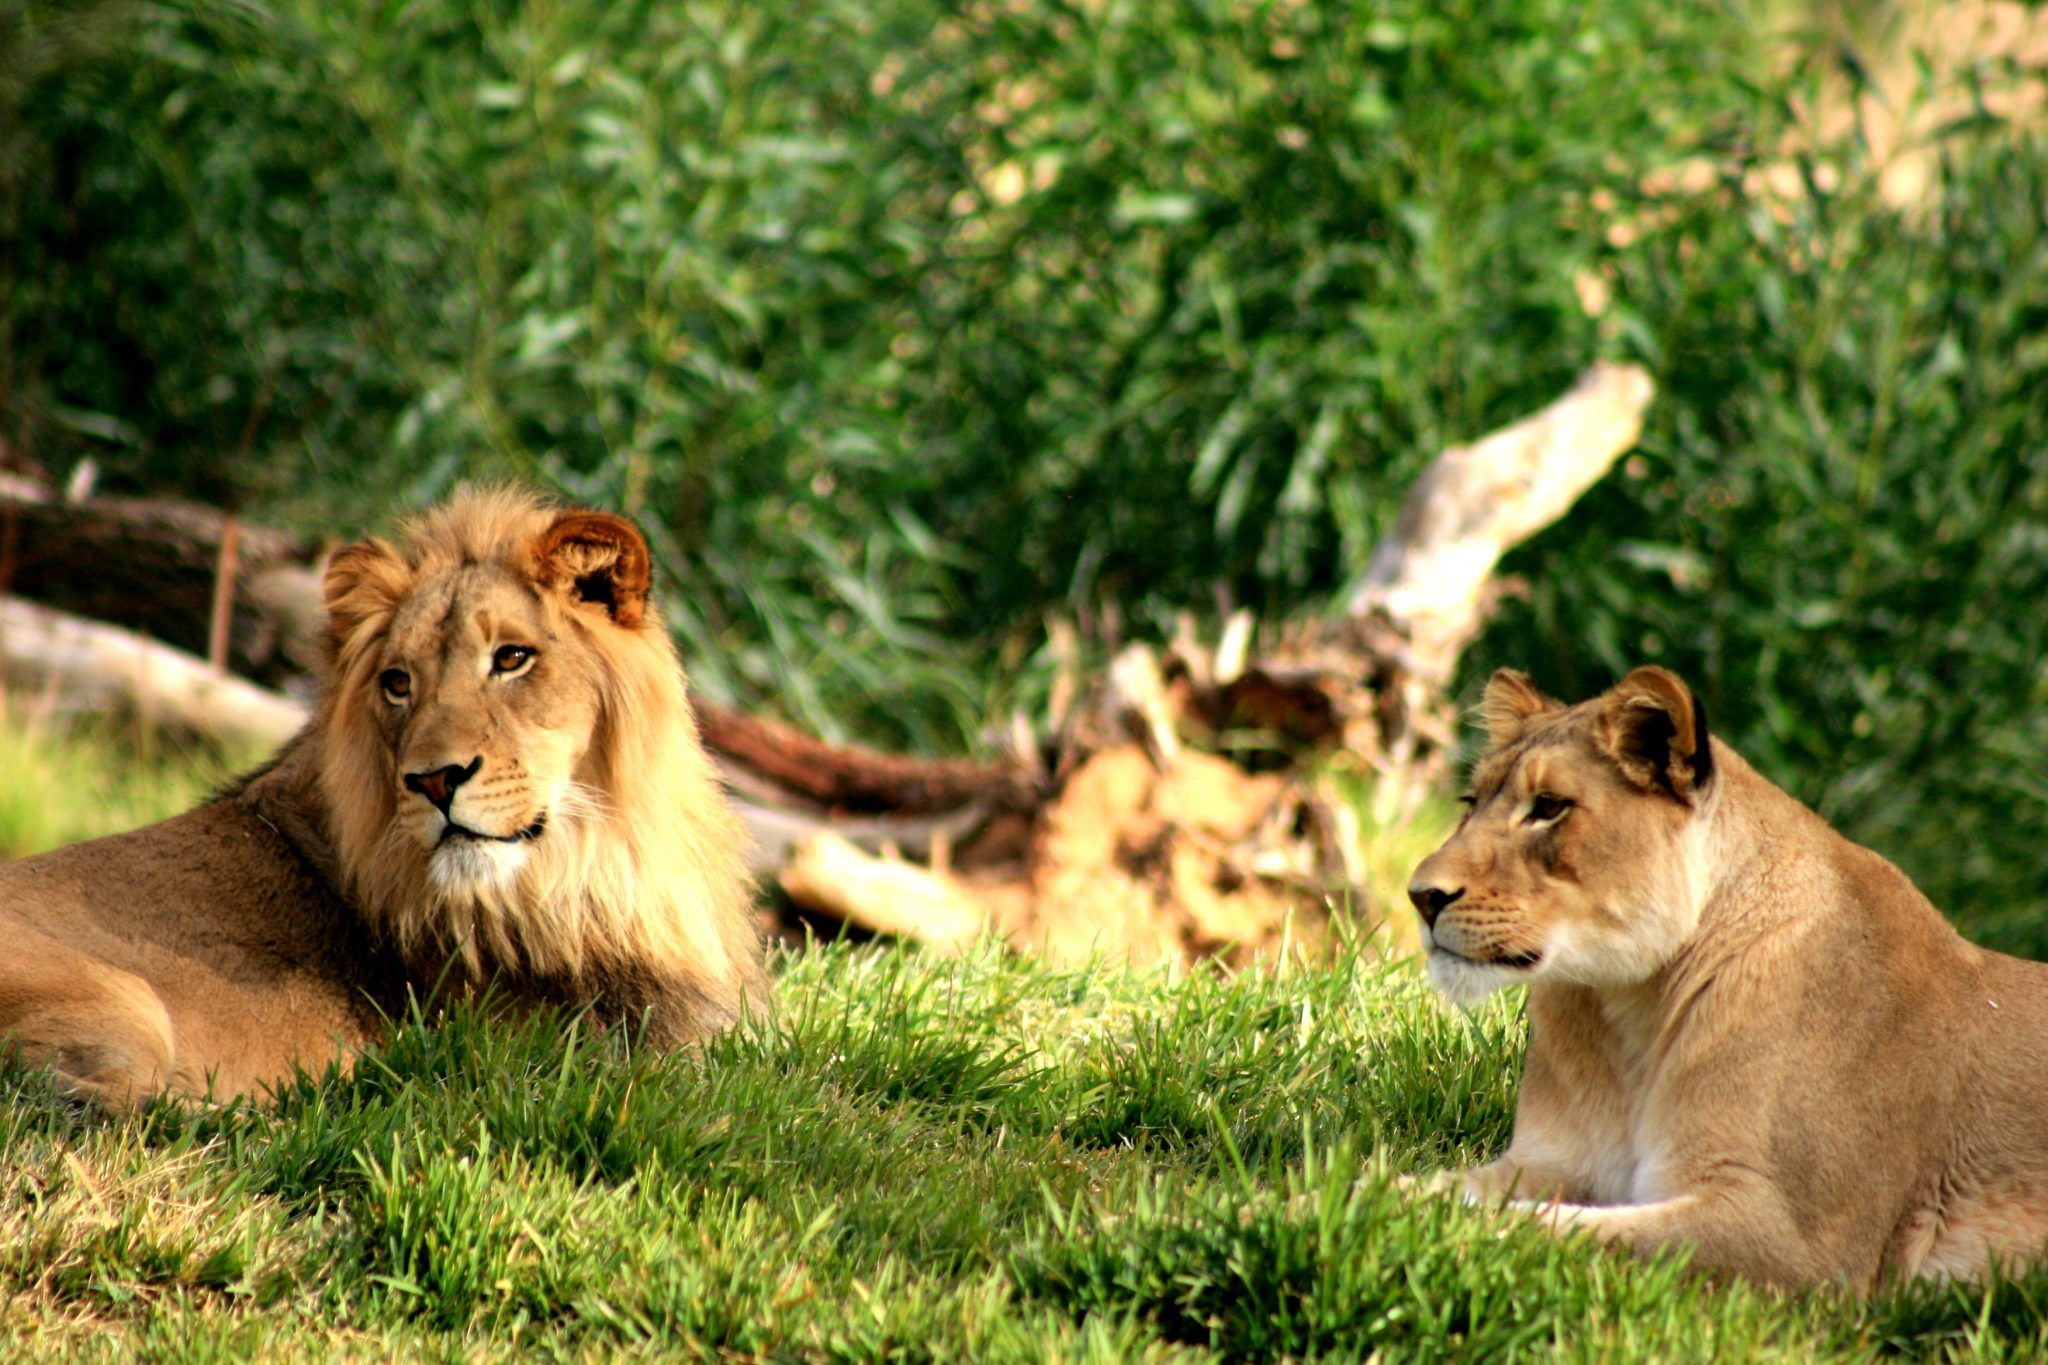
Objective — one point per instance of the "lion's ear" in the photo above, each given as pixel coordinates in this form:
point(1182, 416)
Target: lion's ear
point(1510, 703)
point(600, 560)
point(1654, 727)
point(362, 580)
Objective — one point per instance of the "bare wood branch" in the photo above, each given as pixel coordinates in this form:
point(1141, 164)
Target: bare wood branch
point(1476, 502)
point(106, 664)
point(775, 829)
point(845, 777)
point(828, 874)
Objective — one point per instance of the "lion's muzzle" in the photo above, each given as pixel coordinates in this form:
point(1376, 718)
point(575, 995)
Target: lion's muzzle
point(439, 785)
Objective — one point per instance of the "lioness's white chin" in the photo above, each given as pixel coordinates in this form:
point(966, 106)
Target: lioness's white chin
point(476, 865)
point(1463, 981)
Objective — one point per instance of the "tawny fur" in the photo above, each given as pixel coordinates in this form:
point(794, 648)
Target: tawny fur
point(590, 859)
point(1747, 1035)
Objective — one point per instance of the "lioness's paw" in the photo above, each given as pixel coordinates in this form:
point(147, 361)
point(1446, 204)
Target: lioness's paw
point(1432, 1182)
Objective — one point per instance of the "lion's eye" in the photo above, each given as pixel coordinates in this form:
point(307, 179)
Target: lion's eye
point(1544, 807)
point(397, 684)
point(1468, 800)
point(511, 658)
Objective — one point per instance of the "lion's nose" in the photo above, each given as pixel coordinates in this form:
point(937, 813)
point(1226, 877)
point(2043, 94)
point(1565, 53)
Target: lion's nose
point(439, 785)
point(1429, 901)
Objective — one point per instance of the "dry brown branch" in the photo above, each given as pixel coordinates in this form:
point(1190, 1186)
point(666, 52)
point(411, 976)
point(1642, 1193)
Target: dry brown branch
point(845, 778)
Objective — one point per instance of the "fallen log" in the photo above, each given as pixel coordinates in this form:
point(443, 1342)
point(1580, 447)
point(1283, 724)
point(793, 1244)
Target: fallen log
point(156, 565)
point(847, 779)
point(828, 873)
point(108, 667)
point(1157, 830)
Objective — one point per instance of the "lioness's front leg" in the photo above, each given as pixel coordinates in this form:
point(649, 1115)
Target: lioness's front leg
point(1500, 1180)
point(1741, 1228)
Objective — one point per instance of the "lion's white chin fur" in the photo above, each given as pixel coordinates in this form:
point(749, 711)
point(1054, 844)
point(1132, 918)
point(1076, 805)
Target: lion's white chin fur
point(476, 867)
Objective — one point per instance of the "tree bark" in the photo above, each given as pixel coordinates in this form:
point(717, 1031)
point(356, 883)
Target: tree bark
point(1474, 503)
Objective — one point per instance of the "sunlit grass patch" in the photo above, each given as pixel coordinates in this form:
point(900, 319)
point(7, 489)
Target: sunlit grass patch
point(68, 780)
point(103, 1222)
point(983, 1158)
point(921, 1158)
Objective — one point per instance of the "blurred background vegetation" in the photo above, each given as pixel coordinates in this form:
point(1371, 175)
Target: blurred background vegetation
point(904, 325)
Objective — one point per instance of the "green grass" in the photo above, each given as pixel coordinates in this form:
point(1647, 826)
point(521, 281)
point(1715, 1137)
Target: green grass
point(64, 783)
point(920, 1159)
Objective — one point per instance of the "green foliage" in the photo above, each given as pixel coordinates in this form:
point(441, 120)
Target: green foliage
point(1836, 525)
point(903, 324)
point(492, 1188)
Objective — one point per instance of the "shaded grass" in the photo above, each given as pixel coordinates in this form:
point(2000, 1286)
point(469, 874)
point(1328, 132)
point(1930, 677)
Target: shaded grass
point(922, 1159)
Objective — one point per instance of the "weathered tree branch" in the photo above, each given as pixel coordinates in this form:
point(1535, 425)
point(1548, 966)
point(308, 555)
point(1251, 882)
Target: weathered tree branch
point(1475, 502)
point(847, 778)
point(883, 895)
point(107, 665)
point(1136, 841)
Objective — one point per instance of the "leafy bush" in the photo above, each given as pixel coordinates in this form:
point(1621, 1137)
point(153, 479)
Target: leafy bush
point(904, 324)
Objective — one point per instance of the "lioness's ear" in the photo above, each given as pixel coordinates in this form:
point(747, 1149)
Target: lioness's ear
point(1510, 703)
point(1653, 726)
point(362, 580)
point(599, 559)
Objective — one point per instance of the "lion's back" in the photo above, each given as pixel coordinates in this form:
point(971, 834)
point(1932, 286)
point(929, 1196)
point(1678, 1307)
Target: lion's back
point(249, 950)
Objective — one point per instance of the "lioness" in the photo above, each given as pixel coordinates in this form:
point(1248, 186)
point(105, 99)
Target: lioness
point(1746, 1033)
point(502, 782)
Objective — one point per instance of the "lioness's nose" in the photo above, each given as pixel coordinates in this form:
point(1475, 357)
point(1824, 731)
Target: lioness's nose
point(439, 785)
point(1430, 901)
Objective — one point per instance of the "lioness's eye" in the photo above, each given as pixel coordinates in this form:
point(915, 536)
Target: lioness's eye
point(397, 684)
point(511, 658)
point(1468, 799)
point(1543, 806)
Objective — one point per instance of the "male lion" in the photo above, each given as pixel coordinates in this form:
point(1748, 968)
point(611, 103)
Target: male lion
point(502, 782)
point(1746, 1034)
